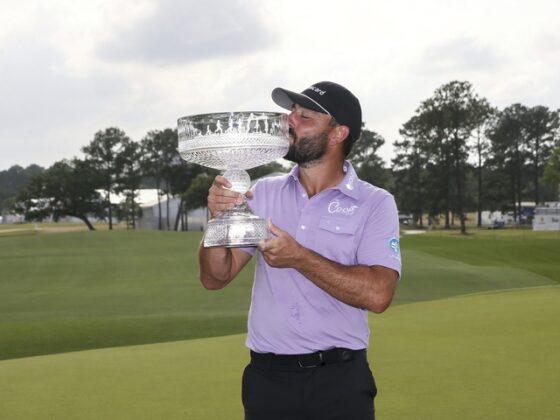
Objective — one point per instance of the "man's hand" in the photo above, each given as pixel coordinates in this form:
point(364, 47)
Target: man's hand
point(362, 286)
point(221, 198)
point(282, 251)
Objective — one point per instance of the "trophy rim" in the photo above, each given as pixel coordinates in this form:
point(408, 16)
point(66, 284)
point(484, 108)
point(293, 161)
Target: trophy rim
point(221, 143)
point(209, 114)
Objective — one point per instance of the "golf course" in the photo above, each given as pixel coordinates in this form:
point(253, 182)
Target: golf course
point(115, 325)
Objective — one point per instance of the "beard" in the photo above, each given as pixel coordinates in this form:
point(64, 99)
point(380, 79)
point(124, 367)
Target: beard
point(307, 151)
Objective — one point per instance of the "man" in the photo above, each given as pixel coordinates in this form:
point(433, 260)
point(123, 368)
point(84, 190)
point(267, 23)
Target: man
point(334, 256)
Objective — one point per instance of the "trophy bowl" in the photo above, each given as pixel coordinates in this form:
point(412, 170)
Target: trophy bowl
point(233, 142)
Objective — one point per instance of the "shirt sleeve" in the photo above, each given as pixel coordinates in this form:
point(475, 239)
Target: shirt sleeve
point(379, 243)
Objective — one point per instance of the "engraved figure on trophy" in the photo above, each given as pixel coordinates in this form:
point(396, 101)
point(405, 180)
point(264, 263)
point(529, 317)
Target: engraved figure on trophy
point(249, 140)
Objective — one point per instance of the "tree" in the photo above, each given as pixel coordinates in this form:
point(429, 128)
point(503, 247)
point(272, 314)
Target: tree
point(368, 164)
point(482, 113)
point(509, 156)
point(180, 175)
point(409, 168)
point(159, 149)
point(152, 164)
point(68, 188)
point(128, 179)
point(440, 129)
point(12, 181)
point(103, 154)
point(542, 130)
point(552, 171)
point(197, 194)
point(456, 110)
point(171, 161)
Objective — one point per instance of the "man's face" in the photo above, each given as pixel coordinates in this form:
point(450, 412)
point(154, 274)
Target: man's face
point(309, 136)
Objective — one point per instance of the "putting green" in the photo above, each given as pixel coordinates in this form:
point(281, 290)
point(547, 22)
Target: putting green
point(482, 356)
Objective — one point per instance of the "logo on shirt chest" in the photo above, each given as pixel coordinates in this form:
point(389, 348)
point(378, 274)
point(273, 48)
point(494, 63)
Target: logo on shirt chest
point(335, 208)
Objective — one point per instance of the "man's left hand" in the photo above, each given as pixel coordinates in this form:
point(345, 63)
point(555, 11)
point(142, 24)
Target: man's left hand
point(282, 251)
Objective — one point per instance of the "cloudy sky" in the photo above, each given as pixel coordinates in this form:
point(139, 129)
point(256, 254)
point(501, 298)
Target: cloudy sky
point(69, 68)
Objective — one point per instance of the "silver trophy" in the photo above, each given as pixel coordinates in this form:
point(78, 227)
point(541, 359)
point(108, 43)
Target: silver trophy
point(233, 142)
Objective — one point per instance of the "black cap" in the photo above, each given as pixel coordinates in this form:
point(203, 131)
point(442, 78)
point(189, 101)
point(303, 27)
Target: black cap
point(329, 98)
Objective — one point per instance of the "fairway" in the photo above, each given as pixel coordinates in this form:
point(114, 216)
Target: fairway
point(64, 292)
point(73, 291)
point(482, 356)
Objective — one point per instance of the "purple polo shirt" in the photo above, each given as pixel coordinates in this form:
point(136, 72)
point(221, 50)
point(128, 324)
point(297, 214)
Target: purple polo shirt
point(353, 223)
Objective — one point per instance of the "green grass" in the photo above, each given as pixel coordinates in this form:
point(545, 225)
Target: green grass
point(83, 290)
point(472, 333)
point(74, 291)
point(483, 356)
point(536, 252)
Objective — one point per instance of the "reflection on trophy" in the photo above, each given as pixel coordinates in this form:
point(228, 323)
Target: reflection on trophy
point(234, 141)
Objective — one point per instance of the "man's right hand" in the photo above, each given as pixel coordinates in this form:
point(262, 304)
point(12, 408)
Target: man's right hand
point(219, 265)
point(221, 198)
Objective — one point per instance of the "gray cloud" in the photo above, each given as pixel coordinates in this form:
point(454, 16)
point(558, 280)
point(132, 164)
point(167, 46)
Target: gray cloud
point(461, 54)
point(183, 31)
point(42, 105)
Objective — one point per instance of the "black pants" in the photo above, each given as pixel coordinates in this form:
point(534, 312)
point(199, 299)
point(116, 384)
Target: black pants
point(337, 390)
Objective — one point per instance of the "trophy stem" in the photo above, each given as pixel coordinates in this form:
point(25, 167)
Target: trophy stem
point(239, 179)
point(237, 226)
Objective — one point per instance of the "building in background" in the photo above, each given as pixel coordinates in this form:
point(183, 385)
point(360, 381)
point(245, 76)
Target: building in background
point(194, 220)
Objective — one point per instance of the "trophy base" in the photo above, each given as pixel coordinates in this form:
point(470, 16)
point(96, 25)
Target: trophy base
point(236, 228)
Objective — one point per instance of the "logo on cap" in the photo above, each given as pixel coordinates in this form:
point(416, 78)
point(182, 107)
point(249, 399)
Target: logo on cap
point(317, 90)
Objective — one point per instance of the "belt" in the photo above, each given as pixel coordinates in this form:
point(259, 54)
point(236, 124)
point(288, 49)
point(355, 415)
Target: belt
point(309, 360)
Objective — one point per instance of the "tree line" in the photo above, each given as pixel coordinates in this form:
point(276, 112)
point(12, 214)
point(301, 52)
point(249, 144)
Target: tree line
point(12, 181)
point(115, 164)
point(457, 153)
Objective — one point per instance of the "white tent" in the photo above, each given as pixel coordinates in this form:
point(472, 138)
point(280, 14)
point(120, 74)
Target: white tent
point(196, 219)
